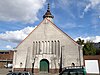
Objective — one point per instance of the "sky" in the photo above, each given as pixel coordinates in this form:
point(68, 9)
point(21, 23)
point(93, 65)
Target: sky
point(77, 18)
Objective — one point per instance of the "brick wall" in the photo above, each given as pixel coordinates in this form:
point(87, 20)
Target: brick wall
point(6, 57)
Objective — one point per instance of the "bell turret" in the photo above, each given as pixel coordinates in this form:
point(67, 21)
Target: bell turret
point(48, 14)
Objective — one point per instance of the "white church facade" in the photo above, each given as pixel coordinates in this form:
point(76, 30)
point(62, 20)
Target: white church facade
point(46, 49)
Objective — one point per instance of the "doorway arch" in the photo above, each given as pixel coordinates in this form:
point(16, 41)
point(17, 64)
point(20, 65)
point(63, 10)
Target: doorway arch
point(44, 65)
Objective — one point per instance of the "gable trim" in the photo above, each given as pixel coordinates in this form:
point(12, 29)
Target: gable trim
point(63, 32)
point(30, 33)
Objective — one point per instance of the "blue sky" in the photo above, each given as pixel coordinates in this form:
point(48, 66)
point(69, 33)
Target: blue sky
point(78, 18)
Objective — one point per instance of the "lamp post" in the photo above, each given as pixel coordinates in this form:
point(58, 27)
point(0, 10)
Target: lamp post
point(61, 59)
point(33, 65)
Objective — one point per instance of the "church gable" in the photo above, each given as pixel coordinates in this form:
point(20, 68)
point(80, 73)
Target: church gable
point(46, 30)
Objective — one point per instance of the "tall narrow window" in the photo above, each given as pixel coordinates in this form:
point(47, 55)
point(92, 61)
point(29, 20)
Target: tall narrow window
point(36, 47)
point(33, 48)
point(43, 46)
point(58, 48)
point(39, 48)
point(55, 47)
point(48, 47)
point(52, 47)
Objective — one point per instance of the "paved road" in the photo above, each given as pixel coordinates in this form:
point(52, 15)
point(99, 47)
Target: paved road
point(4, 71)
point(46, 74)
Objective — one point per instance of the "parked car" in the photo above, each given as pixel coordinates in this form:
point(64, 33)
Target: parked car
point(8, 66)
point(20, 73)
point(73, 71)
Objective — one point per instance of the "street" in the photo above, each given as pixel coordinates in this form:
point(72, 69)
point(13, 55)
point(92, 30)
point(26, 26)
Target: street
point(4, 71)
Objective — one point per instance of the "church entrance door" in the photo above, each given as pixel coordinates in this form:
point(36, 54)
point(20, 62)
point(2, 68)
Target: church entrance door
point(44, 65)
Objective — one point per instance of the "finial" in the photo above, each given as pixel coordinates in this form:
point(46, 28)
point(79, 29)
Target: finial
point(48, 6)
point(48, 13)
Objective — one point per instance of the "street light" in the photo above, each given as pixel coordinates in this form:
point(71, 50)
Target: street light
point(33, 64)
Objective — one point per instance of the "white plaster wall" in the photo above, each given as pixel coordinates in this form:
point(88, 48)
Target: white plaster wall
point(49, 57)
point(46, 31)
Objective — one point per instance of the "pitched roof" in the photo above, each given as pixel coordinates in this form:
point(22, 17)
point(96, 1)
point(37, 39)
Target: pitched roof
point(63, 32)
point(54, 26)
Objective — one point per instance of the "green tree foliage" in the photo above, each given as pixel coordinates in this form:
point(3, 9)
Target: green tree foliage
point(80, 42)
point(89, 49)
point(98, 51)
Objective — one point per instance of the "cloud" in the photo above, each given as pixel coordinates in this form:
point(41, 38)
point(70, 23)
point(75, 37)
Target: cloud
point(71, 25)
point(16, 36)
point(93, 4)
point(8, 47)
point(95, 39)
point(66, 5)
point(20, 10)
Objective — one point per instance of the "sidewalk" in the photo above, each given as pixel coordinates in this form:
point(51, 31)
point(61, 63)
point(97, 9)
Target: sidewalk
point(4, 71)
point(45, 74)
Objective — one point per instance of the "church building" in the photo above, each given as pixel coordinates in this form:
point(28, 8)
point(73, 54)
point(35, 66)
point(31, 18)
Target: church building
point(47, 49)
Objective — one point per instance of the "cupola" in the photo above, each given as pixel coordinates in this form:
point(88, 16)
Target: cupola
point(48, 14)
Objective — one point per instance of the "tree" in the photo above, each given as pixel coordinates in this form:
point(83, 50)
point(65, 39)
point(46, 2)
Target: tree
point(80, 42)
point(89, 49)
point(98, 51)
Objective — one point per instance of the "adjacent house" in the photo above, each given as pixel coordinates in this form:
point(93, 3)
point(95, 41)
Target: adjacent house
point(6, 57)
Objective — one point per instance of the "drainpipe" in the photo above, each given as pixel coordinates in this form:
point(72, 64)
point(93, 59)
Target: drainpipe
point(79, 47)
